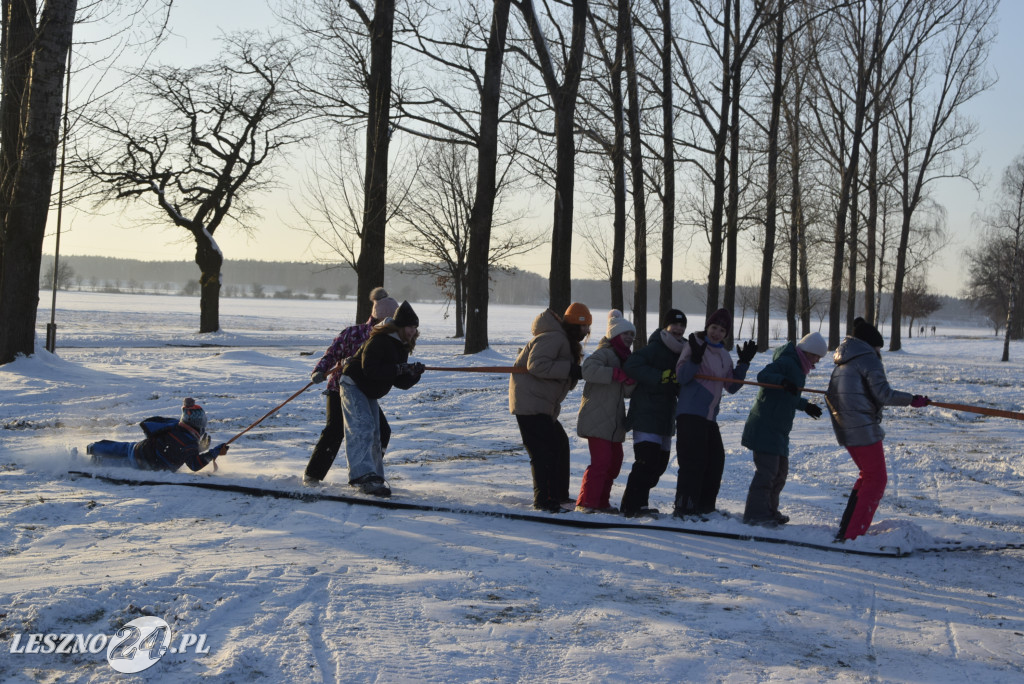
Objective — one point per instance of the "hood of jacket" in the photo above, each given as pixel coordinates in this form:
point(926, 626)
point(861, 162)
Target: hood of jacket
point(546, 322)
point(850, 349)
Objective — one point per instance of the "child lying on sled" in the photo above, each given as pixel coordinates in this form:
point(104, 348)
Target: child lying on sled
point(168, 445)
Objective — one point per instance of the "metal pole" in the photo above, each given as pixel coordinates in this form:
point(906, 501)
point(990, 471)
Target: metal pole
point(51, 327)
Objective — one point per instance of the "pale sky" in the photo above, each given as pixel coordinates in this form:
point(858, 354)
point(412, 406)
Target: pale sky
point(197, 23)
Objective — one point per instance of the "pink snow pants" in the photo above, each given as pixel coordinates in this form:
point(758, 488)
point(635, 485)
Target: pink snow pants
point(869, 487)
point(605, 464)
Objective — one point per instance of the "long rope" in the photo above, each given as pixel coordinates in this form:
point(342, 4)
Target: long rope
point(270, 413)
point(983, 410)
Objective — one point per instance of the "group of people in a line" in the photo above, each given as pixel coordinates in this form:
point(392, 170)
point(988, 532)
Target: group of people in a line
point(674, 385)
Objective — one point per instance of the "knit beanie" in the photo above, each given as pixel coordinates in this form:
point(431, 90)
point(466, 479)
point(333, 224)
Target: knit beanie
point(673, 316)
point(813, 343)
point(384, 305)
point(405, 316)
point(618, 325)
point(193, 414)
point(720, 317)
point(578, 314)
point(863, 330)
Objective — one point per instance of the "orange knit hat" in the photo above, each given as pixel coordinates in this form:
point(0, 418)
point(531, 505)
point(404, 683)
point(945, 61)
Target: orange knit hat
point(578, 314)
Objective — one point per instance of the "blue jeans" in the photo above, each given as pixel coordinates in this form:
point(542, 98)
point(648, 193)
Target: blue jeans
point(362, 431)
point(110, 453)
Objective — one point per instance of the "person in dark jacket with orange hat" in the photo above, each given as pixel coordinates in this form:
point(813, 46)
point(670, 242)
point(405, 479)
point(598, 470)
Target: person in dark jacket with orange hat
point(380, 364)
point(552, 361)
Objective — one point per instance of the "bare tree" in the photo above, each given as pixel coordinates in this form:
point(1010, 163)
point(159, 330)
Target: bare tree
point(196, 143)
point(33, 51)
point(932, 132)
point(918, 302)
point(562, 93)
point(437, 215)
point(347, 77)
point(331, 210)
point(1005, 222)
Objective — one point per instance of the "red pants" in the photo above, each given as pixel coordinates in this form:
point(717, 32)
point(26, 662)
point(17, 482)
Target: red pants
point(605, 464)
point(867, 492)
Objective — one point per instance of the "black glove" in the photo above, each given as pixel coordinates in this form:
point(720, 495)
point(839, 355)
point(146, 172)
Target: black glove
point(791, 387)
point(575, 372)
point(417, 368)
point(403, 369)
point(747, 351)
point(318, 377)
point(696, 349)
point(813, 410)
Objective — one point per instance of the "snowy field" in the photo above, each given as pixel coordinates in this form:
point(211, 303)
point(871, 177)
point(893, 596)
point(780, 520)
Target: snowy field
point(286, 590)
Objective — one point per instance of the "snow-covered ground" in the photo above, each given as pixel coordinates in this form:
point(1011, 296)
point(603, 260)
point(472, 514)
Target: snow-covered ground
point(286, 590)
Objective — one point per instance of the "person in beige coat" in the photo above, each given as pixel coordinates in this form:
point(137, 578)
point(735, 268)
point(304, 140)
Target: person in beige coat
point(552, 362)
point(602, 417)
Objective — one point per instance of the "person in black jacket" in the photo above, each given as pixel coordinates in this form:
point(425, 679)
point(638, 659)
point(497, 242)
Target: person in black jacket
point(380, 364)
point(169, 444)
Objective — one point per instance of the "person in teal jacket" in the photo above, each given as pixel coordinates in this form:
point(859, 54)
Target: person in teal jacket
point(767, 429)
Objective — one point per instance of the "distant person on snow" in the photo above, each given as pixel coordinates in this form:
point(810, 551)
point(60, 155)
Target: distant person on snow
point(857, 392)
point(380, 364)
point(699, 448)
point(169, 444)
point(767, 429)
point(652, 409)
point(602, 415)
point(346, 344)
point(552, 360)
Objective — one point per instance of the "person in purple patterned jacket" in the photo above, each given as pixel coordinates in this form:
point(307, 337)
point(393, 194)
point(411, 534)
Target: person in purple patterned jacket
point(346, 344)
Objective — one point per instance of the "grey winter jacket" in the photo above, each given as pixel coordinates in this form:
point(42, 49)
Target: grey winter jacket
point(857, 392)
point(603, 409)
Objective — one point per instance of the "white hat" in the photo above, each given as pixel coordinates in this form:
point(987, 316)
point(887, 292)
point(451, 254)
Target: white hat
point(813, 343)
point(618, 325)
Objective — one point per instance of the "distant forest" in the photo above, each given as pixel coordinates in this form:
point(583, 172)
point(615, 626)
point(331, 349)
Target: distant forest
point(296, 280)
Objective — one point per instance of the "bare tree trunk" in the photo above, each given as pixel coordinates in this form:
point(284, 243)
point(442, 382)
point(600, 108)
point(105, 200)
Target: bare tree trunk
point(851, 290)
point(732, 216)
point(870, 250)
point(768, 255)
point(28, 172)
point(669, 200)
point(721, 138)
point(370, 265)
point(636, 158)
point(563, 101)
point(209, 259)
point(619, 159)
point(481, 217)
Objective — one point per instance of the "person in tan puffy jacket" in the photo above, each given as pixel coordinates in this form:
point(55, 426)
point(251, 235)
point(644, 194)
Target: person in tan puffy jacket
point(602, 417)
point(552, 361)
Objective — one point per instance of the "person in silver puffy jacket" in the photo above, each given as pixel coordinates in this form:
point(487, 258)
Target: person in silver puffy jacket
point(857, 392)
